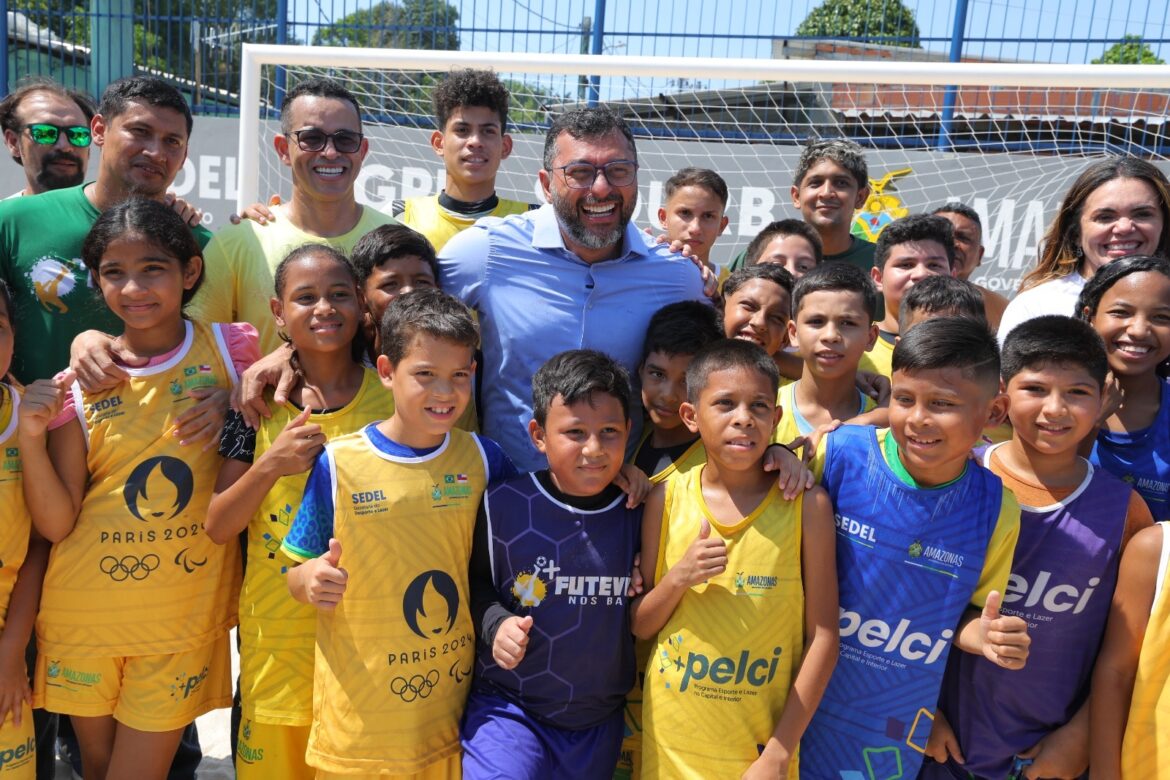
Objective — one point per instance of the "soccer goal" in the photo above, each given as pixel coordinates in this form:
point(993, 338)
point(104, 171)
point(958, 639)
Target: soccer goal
point(1005, 138)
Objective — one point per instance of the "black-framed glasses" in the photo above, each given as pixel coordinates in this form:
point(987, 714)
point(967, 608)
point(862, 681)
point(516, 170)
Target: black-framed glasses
point(581, 175)
point(47, 134)
point(314, 140)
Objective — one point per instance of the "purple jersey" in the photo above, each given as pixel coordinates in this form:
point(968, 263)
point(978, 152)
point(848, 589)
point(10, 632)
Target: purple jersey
point(1063, 575)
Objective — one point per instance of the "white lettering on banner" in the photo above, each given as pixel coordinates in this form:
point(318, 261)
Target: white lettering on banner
point(755, 209)
point(416, 182)
point(209, 176)
point(185, 182)
point(381, 192)
point(1000, 229)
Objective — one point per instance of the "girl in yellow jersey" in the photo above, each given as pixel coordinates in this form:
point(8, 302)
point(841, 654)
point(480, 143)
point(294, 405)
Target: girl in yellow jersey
point(318, 309)
point(1130, 703)
point(742, 589)
point(137, 601)
point(20, 578)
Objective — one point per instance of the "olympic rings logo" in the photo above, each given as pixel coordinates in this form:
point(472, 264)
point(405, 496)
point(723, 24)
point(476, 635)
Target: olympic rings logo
point(417, 687)
point(128, 567)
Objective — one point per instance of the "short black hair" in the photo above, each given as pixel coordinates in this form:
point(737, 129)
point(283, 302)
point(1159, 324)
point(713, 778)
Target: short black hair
point(575, 375)
point(950, 342)
point(429, 311)
point(681, 328)
point(934, 294)
point(1053, 340)
point(837, 277)
point(784, 227)
point(150, 90)
point(317, 86)
point(696, 177)
point(962, 209)
point(729, 353)
point(389, 242)
point(1111, 273)
point(770, 271)
point(915, 228)
point(470, 87)
point(151, 220)
point(585, 123)
point(31, 84)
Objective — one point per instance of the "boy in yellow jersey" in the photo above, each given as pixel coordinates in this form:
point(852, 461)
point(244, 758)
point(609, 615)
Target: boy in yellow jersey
point(471, 113)
point(676, 332)
point(21, 571)
point(742, 595)
point(907, 251)
point(1130, 703)
point(395, 641)
point(925, 537)
point(832, 328)
point(693, 208)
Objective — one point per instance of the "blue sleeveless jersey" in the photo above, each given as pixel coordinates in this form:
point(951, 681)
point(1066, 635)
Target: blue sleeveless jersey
point(908, 561)
point(1062, 581)
point(569, 569)
point(1141, 458)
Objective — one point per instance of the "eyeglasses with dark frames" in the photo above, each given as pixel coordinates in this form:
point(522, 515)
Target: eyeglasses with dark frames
point(581, 175)
point(46, 134)
point(313, 140)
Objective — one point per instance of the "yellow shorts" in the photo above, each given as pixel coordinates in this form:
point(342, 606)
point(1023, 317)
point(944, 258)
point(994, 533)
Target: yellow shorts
point(264, 751)
point(18, 756)
point(451, 768)
point(145, 692)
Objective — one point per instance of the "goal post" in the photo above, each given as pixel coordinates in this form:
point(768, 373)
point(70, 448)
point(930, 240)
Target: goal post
point(1018, 135)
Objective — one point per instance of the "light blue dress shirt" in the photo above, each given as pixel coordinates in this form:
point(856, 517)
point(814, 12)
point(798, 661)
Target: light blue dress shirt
point(536, 298)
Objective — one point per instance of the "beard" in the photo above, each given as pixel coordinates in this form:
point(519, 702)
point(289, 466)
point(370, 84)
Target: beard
point(47, 179)
point(570, 220)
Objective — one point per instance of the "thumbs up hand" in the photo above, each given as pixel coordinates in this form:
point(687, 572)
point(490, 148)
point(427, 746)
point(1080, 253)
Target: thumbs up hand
point(325, 579)
point(704, 559)
point(511, 641)
point(1004, 638)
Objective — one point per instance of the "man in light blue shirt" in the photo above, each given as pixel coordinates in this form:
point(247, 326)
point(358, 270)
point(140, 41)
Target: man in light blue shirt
point(572, 274)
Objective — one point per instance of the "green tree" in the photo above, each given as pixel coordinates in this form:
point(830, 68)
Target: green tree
point(1129, 51)
point(878, 21)
point(408, 24)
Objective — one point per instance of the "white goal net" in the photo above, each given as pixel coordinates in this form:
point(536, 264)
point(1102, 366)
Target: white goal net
point(1009, 146)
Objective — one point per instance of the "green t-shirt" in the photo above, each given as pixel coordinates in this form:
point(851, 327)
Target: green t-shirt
point(54, 297)
point(859, 253)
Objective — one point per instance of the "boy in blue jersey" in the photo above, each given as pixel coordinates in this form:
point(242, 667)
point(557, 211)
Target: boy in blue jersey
point(924, 544)
point(550, 571)
point(1075, 520)
point(395, 642)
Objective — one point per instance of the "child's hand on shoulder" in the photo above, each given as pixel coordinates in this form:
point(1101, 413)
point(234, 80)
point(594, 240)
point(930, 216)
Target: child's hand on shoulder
point(634, 483)
point(41, 402)
point(296, 447)
point(511, 641)
point(792, 475)
point(1005, 637)
point(325, 580)
point(203, 421)
point(704, 559)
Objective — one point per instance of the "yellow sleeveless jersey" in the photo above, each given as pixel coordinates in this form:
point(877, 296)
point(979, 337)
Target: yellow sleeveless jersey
point(14, 528)
point(694, 456)
point(439, 225)
point(137, 575)
point(720, 672)
point(880, 359)
point(394, 659)
point(277, 633)
point(790, 425)
point(1145, 750)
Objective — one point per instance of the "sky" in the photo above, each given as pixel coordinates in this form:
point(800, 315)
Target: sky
point(1034, 30)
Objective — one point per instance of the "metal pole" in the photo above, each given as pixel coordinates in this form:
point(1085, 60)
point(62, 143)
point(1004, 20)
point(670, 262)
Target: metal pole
point(3, 48)
point(281, 39)
point(956, 54)
point(597, 49)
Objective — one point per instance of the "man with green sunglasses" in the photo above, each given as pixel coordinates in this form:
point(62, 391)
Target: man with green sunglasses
point(46, 129)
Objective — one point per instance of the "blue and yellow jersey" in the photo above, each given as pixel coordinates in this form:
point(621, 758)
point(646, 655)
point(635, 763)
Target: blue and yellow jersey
point(910, 561)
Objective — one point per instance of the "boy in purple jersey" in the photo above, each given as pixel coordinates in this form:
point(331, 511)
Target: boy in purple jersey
point(550, 587)
point(1074, 521)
